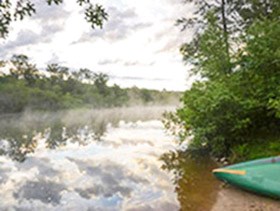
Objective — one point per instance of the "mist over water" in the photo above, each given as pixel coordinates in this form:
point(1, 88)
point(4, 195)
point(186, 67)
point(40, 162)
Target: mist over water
point(91, 160)
point(19, 133)
point(107, 159)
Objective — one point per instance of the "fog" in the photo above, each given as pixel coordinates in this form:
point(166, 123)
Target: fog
point(19, 133)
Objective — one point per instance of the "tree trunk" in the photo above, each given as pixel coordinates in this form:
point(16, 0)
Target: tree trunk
point(225, 30)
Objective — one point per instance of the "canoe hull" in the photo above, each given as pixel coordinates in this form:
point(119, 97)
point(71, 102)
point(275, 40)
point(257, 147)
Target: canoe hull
point(260, 176)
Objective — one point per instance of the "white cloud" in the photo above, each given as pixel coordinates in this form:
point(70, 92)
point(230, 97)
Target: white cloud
point(139, 41)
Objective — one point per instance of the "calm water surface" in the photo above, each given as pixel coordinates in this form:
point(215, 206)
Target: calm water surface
point(112, 165)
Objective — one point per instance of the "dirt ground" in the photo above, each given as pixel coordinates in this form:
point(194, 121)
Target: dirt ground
point(233, 199)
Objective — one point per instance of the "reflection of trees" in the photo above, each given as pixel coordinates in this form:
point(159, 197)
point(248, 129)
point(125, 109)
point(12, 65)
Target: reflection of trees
point(195, 186)
point(20, 133)
point(19, 145)
point(20, 137)
point(55, 136)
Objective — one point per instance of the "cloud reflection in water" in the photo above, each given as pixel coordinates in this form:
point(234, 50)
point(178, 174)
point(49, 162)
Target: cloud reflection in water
point(120, 173)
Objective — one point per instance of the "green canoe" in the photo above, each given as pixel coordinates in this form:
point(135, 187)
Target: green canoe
point(261, 176)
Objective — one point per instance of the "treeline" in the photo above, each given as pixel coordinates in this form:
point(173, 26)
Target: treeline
point(23, 86)
point(234, 110)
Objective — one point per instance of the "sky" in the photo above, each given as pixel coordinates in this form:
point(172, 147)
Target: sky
point(138, 45)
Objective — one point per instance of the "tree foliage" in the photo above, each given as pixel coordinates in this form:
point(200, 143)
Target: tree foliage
point(10, 11)
point(229, 109)
point(24, 86)
point(232, 18)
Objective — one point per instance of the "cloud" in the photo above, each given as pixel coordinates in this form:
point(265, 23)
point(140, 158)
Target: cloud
point(53, 13)
point(171, 45)
point(119, 26)
point(108, 61)
point(24, 38)
point(55, 59)
point(49, 30)
point(138, 78)
point(51, 20)
point(125, 63)
point(27, 38)
point(139, 39)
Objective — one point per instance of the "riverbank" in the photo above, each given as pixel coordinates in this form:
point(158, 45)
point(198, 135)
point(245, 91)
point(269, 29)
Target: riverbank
point(233, 199)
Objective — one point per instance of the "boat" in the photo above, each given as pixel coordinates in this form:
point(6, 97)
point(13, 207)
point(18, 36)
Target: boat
point(261, 176)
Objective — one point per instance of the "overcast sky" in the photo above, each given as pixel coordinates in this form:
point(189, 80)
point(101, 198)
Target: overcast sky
point(138, 46)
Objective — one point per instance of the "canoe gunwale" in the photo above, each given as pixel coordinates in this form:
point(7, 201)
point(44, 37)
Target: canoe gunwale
point(275, 159)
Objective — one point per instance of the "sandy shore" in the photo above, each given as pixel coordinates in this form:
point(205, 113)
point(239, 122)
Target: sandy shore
point(233, 199)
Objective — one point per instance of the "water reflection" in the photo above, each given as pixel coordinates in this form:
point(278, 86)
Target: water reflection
point(90, 160)
point(121, 172)
point(19, 133)
point(19, 136)
point(195, 185)
point(44, 191)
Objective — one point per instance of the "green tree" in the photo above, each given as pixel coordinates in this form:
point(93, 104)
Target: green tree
point(223, 11)
point(59, 72)
point(229, 110)
point(232, 18)
point(84, 74)
point(209, 56)
point(100, 81)
point(10, 10)
point(22, 68)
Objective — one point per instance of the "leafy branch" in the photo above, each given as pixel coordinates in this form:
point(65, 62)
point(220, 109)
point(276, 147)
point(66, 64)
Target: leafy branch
point(95, 14)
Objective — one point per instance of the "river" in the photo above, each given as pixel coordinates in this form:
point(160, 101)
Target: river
point(112, 159)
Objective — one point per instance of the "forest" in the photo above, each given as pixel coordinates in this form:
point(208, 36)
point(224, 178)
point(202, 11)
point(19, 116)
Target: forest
point(233, 110)
point(24, 87)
